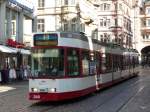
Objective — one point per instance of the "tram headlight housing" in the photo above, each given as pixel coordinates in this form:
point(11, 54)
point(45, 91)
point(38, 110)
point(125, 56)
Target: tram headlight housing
point(34, 89)
point(53, 90)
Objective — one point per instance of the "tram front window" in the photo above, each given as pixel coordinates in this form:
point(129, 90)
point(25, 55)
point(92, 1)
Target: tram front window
point(48, 62)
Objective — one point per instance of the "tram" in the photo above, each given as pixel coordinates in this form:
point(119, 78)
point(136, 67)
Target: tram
point(70, 65)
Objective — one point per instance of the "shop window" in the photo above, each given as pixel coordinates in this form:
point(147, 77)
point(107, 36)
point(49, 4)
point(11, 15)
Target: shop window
point(73, 62)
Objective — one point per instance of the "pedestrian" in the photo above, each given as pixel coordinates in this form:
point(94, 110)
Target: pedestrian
point(28, 71)
point(12, 74)
point(25, 73)
point(0, 77)
point(21, 72)
point(5, 74)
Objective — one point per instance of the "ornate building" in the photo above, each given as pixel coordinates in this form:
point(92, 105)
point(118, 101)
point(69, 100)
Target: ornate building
point(115, 24)
point(13, 32)
point(108, 21)
point(66, 15)
point(143, 34)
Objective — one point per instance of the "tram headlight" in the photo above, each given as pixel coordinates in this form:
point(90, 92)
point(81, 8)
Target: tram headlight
point(34, 89)
point(53, 90)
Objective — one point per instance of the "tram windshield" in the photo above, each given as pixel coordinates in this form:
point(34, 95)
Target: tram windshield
point(48, 62)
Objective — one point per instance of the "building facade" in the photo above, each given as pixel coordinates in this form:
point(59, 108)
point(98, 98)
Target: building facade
point(142, 29)
point(66, 15)
point(109, 21)
point(14, 35)
point(115, 22)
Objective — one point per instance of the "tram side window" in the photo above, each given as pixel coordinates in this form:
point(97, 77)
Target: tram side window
point(85, 62)
point(133, 62)
point(124, 62)
point(121, 62)
point(115, 62)
point(73, 62)
point(108, 62)
point(103, 67)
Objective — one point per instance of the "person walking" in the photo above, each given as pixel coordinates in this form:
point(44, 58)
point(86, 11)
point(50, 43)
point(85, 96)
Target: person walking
point(12, 74)
point(5, 74)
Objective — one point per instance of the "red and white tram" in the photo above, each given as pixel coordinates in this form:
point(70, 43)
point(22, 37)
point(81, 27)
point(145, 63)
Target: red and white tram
point(70, 65)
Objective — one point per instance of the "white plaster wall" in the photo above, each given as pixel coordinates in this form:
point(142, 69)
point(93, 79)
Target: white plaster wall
point(50, 23)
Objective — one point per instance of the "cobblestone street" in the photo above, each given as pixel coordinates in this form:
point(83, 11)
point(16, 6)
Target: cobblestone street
point(129, 96)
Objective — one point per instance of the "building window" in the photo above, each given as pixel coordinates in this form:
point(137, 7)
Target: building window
point(105, 7)
point(40, 25)
point(148, 22)
point(73, 24)
point(101, 37)
point(147, 36)
point(65, 25)
point(143, 36)
point(148, 10)
point(120, 7)
point(101, 22)
point(72, 2)
point(82, 28)
point(104, 22)
point(108, 22)
point(65, 2)
point(116, 22)
point(13, 24)
point(41, 3)
point(144, 22)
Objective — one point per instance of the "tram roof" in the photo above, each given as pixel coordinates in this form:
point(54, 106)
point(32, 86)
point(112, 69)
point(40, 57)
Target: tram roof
point(80, 38)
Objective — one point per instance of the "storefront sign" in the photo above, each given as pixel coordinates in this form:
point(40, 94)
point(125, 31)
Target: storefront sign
point(12, 43)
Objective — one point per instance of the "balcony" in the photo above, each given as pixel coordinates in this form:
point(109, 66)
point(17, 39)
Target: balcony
point(145, 28)
point(146, 41)
point(46, 11)
point(56, 10)
point(115, 28)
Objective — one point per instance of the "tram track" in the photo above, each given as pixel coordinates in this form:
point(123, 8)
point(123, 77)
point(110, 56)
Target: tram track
point(129, 100)
point(125, 103)
point(117, 90)
point(91, 110)
point(130, 83)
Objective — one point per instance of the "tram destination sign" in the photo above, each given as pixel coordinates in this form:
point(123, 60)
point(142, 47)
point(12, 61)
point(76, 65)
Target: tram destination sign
point(45, 39)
